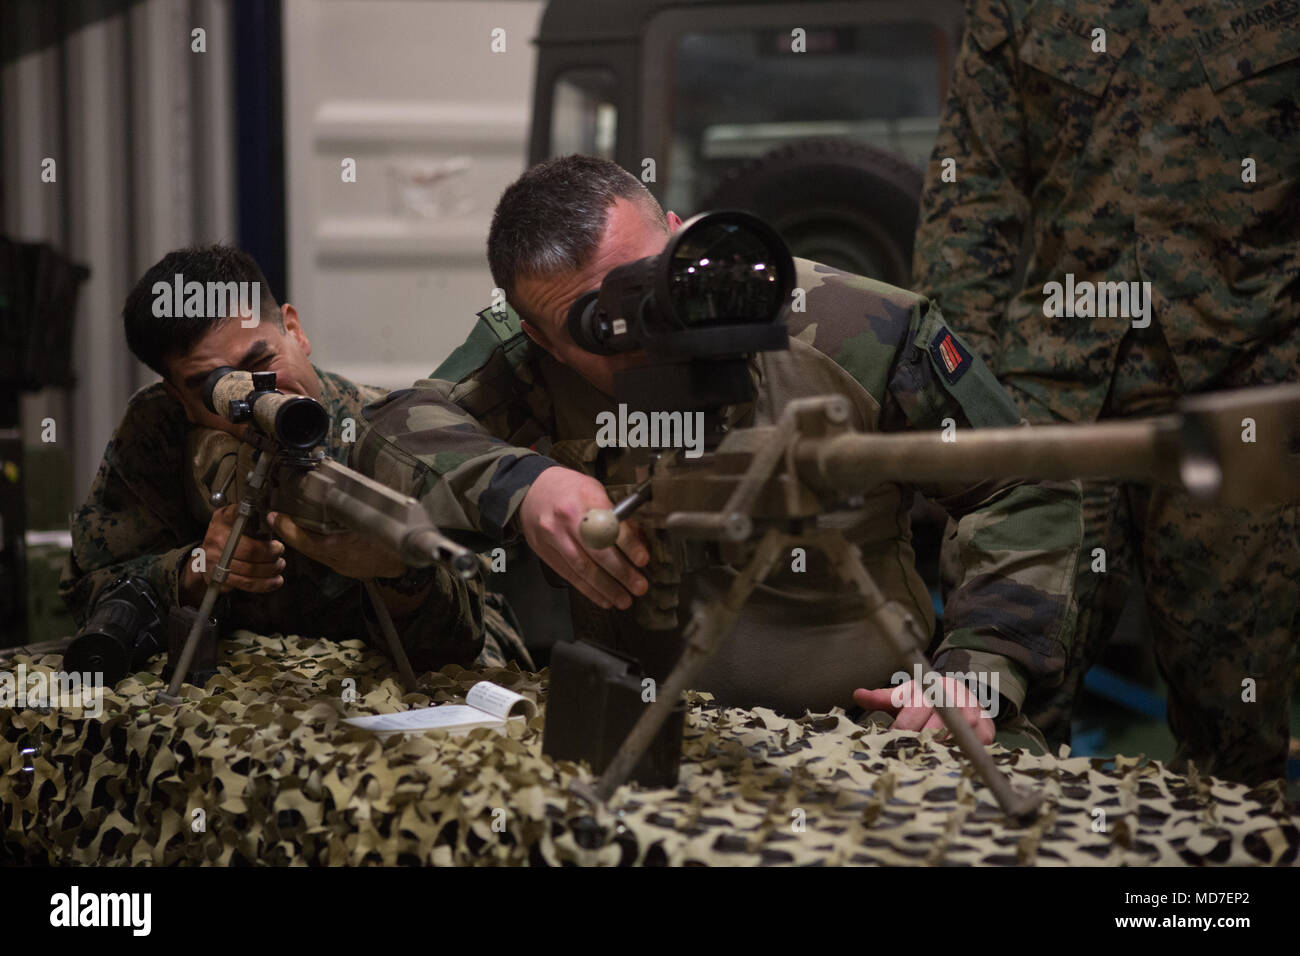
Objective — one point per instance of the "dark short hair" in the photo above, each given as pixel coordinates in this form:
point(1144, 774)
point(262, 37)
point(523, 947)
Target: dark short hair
point(551, 218)
point(154, 339)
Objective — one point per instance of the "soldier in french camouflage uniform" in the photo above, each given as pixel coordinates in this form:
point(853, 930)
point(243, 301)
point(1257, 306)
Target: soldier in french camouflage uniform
point(137, 520)
point(482, 443)
point(1156, 141)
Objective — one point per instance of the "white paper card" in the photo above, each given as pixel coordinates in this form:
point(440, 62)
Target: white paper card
point(487, 705)
point(497, 701)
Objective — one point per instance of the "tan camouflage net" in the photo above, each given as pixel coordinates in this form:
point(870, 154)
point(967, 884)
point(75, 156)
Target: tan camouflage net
point(280, 781)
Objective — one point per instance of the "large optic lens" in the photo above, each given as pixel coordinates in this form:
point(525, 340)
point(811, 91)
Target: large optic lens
point(300, 422)
point(722, 272)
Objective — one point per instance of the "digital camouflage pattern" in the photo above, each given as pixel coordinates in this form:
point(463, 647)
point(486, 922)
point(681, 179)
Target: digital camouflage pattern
point(1120, 166)
point(137, 521)
point(1221, 587)
point(1130, 165)
point(261, 770)
point(470, 440)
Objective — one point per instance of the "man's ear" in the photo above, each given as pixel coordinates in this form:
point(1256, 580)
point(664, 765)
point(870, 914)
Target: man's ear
point(293, 327)
point(674, 221)
point(534, 333)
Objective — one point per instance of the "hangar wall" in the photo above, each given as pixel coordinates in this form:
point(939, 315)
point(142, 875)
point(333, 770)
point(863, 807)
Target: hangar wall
point(388, 271)
point(139, 128)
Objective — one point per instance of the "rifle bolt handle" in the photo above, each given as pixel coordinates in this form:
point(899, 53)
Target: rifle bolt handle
point(218, 497)
point(599, 528)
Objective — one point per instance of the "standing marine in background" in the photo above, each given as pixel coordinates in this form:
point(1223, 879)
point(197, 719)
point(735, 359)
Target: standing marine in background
point(1112, 219)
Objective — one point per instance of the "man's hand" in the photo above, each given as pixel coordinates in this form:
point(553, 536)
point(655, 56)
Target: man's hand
point(344, 553)
point(550, 516)
point(913, 713)
point(255, 566)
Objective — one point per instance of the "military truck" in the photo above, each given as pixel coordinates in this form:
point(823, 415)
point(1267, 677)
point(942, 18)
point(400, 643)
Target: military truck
point(818, 117)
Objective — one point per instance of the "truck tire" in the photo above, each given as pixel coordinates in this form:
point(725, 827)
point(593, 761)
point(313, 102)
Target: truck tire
point(837, 201)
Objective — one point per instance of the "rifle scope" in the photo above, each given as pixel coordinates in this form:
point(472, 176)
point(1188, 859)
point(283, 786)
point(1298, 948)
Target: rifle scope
point(719, 288)
point(294, 421)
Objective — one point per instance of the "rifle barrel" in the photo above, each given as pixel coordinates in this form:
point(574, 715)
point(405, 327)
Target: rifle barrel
point(372, 509)
point(1140, 450)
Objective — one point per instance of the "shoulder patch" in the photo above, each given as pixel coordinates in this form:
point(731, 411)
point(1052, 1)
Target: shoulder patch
point(962, 373)
point(950, 357)
point(504, 322)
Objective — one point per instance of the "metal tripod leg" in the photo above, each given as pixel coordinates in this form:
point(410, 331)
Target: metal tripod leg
point(898, 626)
point(390, 635)
point(707, 630)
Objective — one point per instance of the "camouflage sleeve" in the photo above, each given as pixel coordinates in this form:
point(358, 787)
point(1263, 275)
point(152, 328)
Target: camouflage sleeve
point(975, 206)
point(447, 628)
point(1013, 610)
point(470, 481)
point(114, 534)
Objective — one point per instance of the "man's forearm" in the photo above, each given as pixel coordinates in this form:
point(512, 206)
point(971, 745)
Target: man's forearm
point(995, 678)
point(467, 479)
point(1016, 597)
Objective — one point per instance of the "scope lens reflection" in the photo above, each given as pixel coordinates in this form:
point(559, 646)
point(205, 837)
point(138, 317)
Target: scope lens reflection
point(722, 272)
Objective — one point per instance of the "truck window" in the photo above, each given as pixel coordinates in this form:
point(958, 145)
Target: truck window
point(583, 115)
point(737, 94)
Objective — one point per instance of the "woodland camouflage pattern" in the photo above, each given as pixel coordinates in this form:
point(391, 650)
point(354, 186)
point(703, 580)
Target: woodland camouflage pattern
point(280, 780)
point(136, 521)
point(1127, 166)
point(469, 441)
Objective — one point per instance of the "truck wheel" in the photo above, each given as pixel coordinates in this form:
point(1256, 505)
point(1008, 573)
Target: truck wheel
point(837, 201)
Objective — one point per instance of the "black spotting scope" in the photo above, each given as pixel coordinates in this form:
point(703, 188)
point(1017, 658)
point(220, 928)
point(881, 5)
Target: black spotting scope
point(718, 288)
point(716, 294)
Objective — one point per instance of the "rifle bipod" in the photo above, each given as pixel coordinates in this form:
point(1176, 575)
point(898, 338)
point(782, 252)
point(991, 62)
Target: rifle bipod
point(708, 627)
point(249, 505)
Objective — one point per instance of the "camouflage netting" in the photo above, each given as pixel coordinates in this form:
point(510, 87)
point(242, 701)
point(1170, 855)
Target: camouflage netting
point(281, 781)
